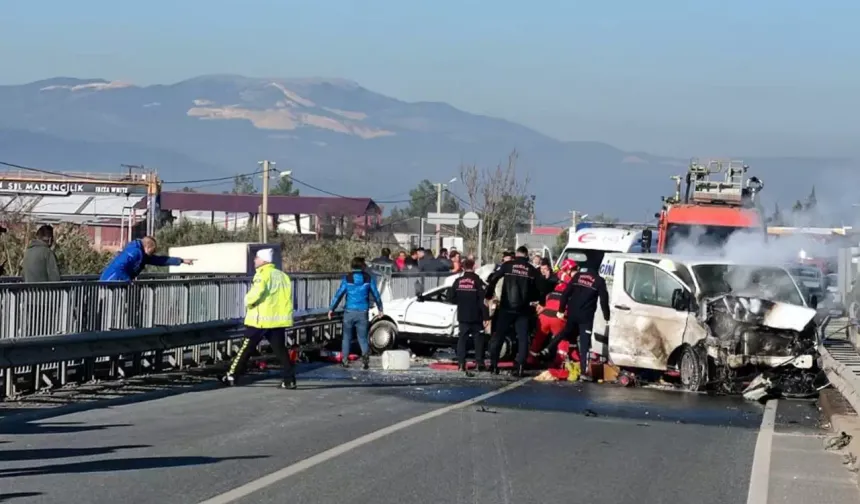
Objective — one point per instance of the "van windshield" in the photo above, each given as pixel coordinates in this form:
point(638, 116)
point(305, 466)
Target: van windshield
point(770, 283)
point(697, 240)
point(590, 257)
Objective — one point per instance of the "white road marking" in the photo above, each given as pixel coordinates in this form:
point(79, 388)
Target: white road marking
point(760, 473)
point(281, 474)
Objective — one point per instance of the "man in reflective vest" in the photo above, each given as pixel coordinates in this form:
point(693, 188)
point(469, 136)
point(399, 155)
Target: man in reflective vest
point(269, 311)
point(548, 321)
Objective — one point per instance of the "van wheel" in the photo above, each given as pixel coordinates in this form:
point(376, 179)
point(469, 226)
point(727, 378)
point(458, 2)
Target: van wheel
point(693, 371)
point(382, 336)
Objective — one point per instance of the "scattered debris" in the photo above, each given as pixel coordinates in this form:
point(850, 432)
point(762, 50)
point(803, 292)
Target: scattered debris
point(589, 413)
point(850, 460)
point(483, 409)
point(837, 442)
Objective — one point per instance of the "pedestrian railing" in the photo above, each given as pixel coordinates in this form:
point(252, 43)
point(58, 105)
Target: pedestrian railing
point(49, 309)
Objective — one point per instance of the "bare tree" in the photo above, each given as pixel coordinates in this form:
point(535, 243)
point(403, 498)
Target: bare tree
point(500, 197)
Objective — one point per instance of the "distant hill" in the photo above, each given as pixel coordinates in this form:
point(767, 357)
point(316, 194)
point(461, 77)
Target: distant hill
point(344, 138)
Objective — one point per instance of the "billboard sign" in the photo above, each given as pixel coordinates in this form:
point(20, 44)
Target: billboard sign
point(63, 188)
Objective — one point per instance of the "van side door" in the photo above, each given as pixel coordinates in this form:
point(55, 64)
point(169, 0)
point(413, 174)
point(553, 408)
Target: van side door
point(644, 327)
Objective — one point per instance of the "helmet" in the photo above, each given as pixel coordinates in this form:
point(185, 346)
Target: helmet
point(568, 265)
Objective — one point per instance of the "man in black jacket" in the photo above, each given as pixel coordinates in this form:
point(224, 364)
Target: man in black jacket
point(520, 290)
point(468, 294)
point(580, 299)
point(384, 258)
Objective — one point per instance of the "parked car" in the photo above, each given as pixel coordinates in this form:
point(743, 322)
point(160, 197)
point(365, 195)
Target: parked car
point(425, 322)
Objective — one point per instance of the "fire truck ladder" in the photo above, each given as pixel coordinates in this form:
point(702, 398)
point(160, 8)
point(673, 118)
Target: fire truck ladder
point(729, 191)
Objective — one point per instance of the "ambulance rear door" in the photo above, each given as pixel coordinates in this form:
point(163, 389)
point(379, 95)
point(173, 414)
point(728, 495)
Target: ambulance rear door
point(599, 338)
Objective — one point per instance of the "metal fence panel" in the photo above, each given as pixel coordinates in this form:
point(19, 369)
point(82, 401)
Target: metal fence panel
point(47, 309)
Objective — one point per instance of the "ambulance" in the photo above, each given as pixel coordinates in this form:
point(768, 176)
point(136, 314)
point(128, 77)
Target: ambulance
point(587, 245)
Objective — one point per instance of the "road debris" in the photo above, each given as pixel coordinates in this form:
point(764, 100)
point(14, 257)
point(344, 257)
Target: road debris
point(837, 442)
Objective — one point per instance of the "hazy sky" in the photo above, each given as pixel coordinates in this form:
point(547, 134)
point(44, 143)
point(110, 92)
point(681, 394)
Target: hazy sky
point(694, 77)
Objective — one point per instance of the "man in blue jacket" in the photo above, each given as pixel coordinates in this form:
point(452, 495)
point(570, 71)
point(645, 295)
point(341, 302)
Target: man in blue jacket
point(357, 286)
point(131, 261)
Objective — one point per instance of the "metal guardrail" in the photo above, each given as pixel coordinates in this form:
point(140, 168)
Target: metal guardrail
point(47, 309)
point(42, 362)
point(52, 334)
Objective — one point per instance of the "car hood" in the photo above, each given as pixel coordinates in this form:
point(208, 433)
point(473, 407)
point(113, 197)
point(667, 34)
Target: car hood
point(395, 308)
point(773, 314)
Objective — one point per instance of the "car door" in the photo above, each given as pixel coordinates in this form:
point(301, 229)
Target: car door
point(644, 328)
point(433, 314)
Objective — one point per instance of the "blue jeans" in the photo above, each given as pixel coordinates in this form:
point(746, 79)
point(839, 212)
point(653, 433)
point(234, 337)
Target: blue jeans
point(359, 322)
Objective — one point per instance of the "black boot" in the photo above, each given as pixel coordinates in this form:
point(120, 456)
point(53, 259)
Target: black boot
point(365, 362)
point(481, 367)
point(519, 371)
point(289, 384)
point(494, 369)
point(465, 370)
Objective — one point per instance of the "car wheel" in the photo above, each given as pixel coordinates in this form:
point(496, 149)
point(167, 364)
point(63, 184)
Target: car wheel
point(692, 367)
point(382, 336)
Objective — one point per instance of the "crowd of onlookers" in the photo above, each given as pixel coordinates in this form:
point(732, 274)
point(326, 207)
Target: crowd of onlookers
point(422, 260)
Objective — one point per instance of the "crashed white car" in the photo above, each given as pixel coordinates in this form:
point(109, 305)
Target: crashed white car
point(705, 317)
point(426, 321)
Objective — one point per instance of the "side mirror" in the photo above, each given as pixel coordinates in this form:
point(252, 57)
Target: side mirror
point(681, 300)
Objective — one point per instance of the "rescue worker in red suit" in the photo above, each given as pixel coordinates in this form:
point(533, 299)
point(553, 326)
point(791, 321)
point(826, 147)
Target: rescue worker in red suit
point(580, 299)
point(548, 323)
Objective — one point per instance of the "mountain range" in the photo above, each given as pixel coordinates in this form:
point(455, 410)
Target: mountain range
point(338, 136)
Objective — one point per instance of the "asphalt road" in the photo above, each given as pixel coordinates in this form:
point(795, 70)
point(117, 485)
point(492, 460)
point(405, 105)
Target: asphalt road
point(528, 442)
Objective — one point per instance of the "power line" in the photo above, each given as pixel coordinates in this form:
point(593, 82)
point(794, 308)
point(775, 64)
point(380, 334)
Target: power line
point(49, 172)
point(218, 179)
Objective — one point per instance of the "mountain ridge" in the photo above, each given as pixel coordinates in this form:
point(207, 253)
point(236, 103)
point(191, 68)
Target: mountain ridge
point(336, 134)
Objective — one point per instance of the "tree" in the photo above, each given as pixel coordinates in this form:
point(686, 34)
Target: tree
point(284, 187)
point(501, 198)
point(602, 219)
point(188, 189)
point(75, 254)
point(776, 218)
point(243, 184)
point(422, 200)
point(811, 201)
point(797, 208)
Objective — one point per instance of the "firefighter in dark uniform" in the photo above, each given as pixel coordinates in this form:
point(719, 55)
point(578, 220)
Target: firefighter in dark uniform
point(520, 290)
point(467, 292)
point(579, 301)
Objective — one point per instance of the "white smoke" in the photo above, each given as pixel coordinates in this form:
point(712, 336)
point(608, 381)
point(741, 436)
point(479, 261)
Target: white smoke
point(752, 247)
point(757, 258)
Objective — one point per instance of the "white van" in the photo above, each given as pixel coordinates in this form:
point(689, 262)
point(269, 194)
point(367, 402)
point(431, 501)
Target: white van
point(589, 245)
point(701, 315)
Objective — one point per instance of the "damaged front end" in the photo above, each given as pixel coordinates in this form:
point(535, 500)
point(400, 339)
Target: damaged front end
point(747, 335)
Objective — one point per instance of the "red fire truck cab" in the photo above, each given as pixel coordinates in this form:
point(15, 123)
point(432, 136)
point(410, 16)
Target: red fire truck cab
point(711, 211)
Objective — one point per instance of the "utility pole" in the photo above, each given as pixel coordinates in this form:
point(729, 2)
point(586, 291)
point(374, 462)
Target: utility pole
point(532, 216)
point(439, 186)
point(438, 240)
point(264, 208)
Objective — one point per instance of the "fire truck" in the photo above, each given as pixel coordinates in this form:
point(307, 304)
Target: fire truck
point(717, 203)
